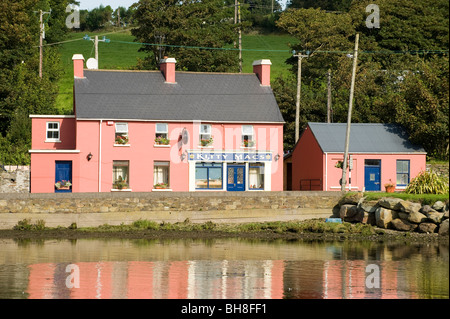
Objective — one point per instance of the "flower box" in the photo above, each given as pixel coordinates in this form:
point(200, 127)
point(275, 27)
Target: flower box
point(122, 140)
point(162, 141)
point(61, 185)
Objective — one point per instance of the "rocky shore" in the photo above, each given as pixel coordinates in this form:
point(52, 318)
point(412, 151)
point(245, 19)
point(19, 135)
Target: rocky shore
point(394, 213)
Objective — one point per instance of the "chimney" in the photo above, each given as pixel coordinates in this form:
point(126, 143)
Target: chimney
point(262, 69)
point(78, 65)
point(167, 67)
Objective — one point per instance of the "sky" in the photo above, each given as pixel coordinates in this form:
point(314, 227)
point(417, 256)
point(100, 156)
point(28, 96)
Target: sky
point(91, 4)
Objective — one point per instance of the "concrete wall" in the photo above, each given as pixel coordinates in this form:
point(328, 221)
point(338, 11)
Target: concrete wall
point(94, 209)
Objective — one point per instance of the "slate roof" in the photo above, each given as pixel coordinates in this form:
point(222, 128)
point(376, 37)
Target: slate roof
point(364, 138)
point(144, 95)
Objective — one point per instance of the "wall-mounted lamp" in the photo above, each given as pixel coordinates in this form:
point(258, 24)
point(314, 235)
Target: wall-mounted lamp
point(182, 157)
point(277, 157)
point(89, 156)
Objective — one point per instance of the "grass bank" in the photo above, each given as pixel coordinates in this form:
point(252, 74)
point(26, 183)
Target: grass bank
point(313, 229)
point(424, 199)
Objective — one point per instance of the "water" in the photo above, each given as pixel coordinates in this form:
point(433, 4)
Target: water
point(221, 269)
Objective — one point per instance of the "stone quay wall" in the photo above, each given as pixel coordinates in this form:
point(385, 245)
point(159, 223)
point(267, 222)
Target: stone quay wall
point(95, 209)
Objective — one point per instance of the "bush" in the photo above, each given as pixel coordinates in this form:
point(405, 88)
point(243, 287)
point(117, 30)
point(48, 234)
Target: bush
point(25, 224)
point(427, 183)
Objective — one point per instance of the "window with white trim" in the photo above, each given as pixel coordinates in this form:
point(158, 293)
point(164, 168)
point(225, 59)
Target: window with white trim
point(205, 135)
point(162, 134)
point(248, 136)
point(121, 136)
point(256, 176)
point(161, 174)
point(121, 171)
point(52, 133)
point(402, 172)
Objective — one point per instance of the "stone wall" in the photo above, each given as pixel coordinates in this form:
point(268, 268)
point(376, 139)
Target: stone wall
point(94, 209)
point(14, 179)
point(394, 213)
point(439, 169)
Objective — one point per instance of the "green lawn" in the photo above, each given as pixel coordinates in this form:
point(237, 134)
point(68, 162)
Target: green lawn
point(118, 55)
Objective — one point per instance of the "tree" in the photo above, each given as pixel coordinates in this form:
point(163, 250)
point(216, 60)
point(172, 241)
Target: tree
point(182, 25)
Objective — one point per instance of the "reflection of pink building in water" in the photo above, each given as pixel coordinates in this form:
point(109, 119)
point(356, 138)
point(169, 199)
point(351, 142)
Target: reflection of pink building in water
point(160, 280)
point(152, 130)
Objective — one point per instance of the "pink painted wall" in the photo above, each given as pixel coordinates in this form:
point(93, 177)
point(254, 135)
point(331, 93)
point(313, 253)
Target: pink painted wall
point(141, 152)
point(388, 169)
point(67, 133)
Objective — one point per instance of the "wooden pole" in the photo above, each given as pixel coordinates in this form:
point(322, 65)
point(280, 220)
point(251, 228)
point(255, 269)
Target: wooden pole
point(349, 117)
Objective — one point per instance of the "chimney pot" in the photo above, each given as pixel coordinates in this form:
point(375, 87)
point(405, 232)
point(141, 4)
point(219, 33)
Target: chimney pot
point(167, 67)
point(78, 65)
point(262, 69)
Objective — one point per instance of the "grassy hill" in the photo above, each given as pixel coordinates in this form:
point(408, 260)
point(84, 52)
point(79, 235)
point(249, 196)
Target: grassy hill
point(122, 53)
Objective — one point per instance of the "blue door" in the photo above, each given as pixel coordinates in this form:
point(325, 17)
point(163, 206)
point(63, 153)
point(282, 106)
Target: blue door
point(236, 178)
point(63, 173)
point(372, 172)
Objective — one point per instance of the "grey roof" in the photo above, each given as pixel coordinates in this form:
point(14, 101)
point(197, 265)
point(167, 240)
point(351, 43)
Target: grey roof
point(144, 95)
point(364, 138)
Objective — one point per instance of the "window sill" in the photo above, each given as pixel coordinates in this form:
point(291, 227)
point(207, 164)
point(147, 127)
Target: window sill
point(248, 147)
point(52, 141)
point(161, 190)
point(161, 145)
point(122, 145)
point(208, 146)
point(121, 190)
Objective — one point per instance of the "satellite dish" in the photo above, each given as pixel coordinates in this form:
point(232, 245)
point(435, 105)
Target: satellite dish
point(185, 136)
point(92, 64)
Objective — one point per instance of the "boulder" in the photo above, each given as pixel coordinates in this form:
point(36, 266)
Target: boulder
point(403, 225)
point(352, 199)
point(416, 217)
point(435, 217)
point(403, 215)
point(443, 229)
point(384, 216)
point(408, 207)
point(389, 202)
point(427, 228)
point(439, 206)
point(347, 211)
point(427, 209)
point(369, 206)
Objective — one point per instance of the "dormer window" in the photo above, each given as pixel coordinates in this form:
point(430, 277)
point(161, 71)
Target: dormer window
point(52, 132)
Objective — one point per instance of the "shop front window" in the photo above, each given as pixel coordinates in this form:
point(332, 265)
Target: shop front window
point(256, 176)
point(208, 176)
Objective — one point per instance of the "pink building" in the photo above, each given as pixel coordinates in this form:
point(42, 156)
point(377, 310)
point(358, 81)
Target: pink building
point(378, 154)
point(161, 130)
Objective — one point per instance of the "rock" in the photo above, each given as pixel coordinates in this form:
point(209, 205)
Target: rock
point(352, 199)
point(347, 211)
point(408, 207)
point(427, 209)
point(384, 216)
point(389, 202)
point(403, 215)
point(443, 229)
point(403, 225)
point(435, 217)
point(445, 215)
point(439, 206)
point(369, 206)
point(427, 228)
point(416, 217)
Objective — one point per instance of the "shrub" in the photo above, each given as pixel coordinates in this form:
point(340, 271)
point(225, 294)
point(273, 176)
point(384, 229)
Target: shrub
point(427, 183)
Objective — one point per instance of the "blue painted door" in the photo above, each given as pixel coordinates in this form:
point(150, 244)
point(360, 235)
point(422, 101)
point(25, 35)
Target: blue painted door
point(63, 172)
point(236, 178)
point(372, 173)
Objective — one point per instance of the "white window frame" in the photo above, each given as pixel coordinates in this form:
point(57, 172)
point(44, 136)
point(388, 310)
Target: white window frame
point(48, 129)
point(166, 131)
point(161, 165)
point(205, 134)
point(251, 136)
point(121, 132)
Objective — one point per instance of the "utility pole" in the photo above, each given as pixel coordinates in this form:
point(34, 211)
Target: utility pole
point(96, 41)
point(240, 38)
point(299, 84)
point(41, 38)
point(349, 117)
point(329, 97)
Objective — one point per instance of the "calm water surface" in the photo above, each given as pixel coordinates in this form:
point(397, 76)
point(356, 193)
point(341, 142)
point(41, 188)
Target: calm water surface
point(221, 269)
